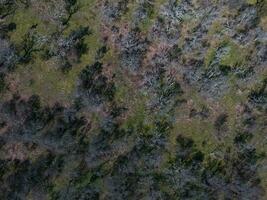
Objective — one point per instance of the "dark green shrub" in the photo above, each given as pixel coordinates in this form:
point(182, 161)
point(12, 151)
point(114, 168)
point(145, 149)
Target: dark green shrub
point(220, 121)
point(2, 82)
point(94, 84)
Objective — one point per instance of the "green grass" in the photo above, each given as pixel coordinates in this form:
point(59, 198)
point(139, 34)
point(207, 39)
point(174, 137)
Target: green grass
point(210, 56)
point(252, 2)
point(236, 57)
point(145, 24)
point(148, 22)
point(43, 77)
point(24, 19)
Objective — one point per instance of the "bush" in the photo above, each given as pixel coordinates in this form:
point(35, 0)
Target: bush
point(101, 52)
point(71, 7)
point(96, 85)
point(2, 82)
point(28, 45)
point(220, 121)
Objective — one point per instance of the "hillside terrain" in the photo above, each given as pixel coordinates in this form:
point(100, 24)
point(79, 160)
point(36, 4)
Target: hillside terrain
point(133, 99)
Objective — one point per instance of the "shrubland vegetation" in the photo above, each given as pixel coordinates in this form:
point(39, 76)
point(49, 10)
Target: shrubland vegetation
point(122, 99)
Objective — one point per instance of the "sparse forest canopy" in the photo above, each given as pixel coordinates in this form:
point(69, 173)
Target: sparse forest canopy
point(123, 99)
